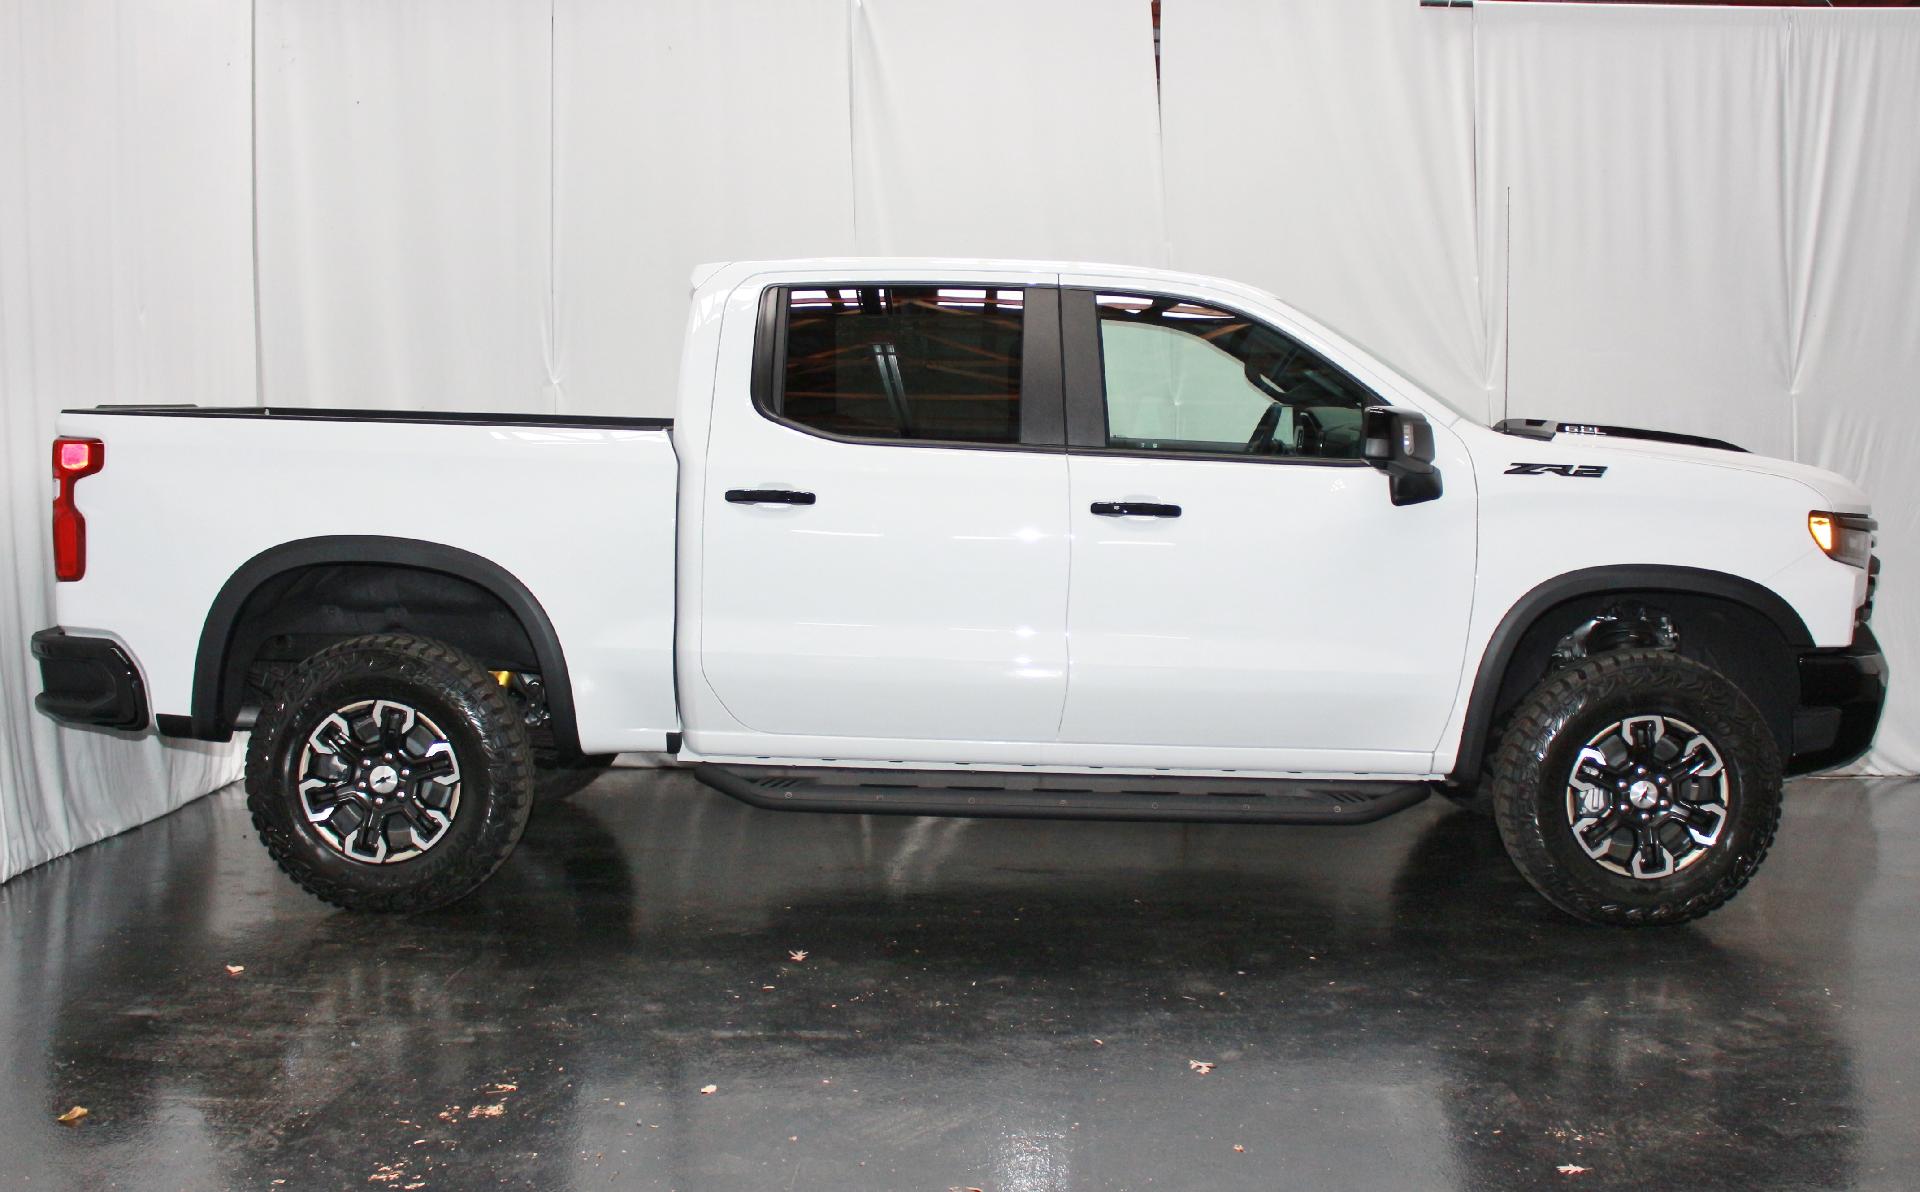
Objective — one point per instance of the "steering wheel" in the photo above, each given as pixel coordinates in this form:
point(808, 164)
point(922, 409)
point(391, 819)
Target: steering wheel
point(1309, 437)
point(1260, 442)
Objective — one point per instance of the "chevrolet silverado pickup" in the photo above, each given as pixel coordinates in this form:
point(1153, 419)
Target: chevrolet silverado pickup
point(977, 538)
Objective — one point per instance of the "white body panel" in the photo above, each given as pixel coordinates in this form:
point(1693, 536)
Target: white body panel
point(1272, 619)
point(949, 565)
point(184, 502)
point(954, 606)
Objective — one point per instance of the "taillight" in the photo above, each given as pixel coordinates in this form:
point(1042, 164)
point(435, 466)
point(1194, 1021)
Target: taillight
point(72, 459)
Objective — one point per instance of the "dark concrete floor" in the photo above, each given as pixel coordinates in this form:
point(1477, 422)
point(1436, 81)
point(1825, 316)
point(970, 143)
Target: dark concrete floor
point(997, 1005)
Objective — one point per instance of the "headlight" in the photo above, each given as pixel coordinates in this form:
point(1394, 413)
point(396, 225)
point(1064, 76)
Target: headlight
point(1847, 537)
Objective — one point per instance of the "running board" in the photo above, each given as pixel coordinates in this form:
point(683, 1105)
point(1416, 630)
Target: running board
point(1061, 796)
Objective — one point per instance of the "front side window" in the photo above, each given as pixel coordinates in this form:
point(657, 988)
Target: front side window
point(1185, 377)
point(939, 363)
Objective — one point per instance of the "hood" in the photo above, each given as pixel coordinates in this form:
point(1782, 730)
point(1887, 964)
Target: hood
point(1836, 492)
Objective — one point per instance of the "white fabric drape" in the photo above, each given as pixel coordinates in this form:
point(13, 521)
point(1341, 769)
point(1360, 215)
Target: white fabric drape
point(1644, 161)
point(1325, 152)
point(685, 133)
point(1006, 128)
point(403, 160)
point(125, 275)
point(1715, 228)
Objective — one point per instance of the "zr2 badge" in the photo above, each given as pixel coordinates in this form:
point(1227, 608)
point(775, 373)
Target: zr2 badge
point(1584, 471)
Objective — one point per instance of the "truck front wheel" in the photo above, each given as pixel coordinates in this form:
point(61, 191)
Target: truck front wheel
point(389, 773)
point(1636, 787)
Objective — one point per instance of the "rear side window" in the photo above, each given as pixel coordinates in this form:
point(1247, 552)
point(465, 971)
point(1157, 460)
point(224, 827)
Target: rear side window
point(924, 362)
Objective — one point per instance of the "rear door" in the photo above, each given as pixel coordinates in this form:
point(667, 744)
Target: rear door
point(885, 517)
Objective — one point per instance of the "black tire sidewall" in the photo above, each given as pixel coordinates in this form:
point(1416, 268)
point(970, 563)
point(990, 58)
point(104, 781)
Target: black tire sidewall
point(488, 744)
point(1569, 710)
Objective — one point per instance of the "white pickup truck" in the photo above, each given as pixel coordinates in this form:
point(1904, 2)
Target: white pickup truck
point(978, 538)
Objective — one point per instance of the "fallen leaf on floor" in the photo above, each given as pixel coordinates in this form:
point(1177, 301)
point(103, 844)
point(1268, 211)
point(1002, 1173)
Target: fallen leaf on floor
point(1099, 1042)
point(415, 1186)
point(766, 988)
point(1201, 1066)
point(486, 1111)
point(797, 956)
point(450, 1114)
point(234, 970)
point(708, 1090)
point(72, 1116)
point(1238, 1149)
point(1572, 1169)
point(388, 1173)
point(498, 1089)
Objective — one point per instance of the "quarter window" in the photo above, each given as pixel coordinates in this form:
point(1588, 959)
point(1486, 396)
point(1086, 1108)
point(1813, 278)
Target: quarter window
point(923, 362)
point(1184, 377)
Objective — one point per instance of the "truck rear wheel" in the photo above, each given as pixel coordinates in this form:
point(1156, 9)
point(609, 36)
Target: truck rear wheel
point(1636, 787)
point(389, 773)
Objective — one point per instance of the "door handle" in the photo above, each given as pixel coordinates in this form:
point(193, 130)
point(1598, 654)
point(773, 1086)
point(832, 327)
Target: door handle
point(768, 496)
point(1134, 509)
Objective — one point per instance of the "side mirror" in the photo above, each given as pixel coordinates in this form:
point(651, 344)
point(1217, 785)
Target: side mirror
point(1400, 443)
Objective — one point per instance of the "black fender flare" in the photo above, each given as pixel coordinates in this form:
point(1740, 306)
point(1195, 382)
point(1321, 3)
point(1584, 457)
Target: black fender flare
point(214, 672)
point(1590, 582)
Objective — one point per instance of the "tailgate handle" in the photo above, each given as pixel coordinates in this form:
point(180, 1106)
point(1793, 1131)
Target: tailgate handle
point(1134, 509)
point(768, 496)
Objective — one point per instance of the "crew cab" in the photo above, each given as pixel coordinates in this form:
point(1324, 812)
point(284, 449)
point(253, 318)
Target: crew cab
point(962, 537)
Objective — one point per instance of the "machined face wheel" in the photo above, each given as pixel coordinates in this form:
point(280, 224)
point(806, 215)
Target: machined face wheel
point(379, 781)
point(1648, 796)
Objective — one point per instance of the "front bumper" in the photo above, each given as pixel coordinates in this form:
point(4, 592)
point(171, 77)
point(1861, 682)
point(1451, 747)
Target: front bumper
point(1841, 694)
point(88, 681)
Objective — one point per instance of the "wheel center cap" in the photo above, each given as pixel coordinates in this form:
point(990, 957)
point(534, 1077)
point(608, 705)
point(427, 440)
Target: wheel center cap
point(385, 780)
point(1643, 794)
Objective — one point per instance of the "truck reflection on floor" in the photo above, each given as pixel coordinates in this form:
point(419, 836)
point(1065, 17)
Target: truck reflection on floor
point(1003, 1004)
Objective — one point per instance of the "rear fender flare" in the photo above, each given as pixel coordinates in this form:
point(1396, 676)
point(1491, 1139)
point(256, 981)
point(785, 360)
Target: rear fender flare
point(216, 674)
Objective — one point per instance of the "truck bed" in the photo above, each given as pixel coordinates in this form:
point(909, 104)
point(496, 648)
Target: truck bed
point(578, 510)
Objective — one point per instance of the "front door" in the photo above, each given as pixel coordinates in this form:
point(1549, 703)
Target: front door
point(885, 523)
point(1242, 584)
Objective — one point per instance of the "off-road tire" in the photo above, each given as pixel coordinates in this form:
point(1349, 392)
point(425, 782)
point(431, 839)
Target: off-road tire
point(487, 737)
point(1527, 776)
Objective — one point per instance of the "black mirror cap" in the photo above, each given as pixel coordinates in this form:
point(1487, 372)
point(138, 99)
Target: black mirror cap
point(1400, 443)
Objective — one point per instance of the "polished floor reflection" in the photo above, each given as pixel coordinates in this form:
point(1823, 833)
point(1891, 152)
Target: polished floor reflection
point(990, 1004)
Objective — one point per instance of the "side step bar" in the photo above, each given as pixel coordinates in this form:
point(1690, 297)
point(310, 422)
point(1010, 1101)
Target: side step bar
point(1061, 796)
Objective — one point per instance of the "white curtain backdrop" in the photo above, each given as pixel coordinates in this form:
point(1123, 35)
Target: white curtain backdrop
point(403, 160)
point(125, 275)
point(1716, 229)
point(1325, 152)
point(1009, 128)
point(685, 133)
point(1706, 220)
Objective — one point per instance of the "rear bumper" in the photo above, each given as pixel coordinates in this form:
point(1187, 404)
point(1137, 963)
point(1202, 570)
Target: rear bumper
point(88, 681)
point(1841, 694)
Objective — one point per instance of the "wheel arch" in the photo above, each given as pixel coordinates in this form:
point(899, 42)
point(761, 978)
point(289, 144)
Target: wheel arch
point(1593, 584)
point(219, 670)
